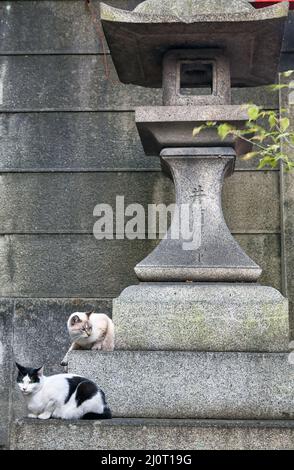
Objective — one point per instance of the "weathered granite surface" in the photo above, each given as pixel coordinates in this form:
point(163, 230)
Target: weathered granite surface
point(66, 88)
point(168, 384)
point(201, 317)
point(6, 332)
point(152, 434)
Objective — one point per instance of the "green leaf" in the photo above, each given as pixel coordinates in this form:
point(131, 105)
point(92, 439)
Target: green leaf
point(197, 130)
point(277, 87)
point(258, 138)
point(288, 73)
point(267, 160)
point(224, 129)
point(289, 166)
point(284, 123)
point(282, 156)
point(262, 164)
point(249, 155)
point(253, 112)
point(211, 123)
point(272, 120)
point(273, 163)
point(274, 148)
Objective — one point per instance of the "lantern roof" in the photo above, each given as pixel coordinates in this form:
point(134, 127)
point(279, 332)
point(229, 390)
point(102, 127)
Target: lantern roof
point(251, 38)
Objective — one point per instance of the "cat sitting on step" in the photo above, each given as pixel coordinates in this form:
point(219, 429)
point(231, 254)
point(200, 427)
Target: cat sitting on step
point(90, 331)
point(64, 396)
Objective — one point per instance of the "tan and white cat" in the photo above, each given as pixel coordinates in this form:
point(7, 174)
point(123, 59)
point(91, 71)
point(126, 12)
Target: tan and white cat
point(89, 330)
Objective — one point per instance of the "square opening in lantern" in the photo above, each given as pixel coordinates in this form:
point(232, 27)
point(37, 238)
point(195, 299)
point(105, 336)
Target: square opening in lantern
point(196, 77)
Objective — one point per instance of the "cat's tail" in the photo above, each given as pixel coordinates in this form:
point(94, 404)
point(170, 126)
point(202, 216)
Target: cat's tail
point(108, 341)
point(105, 415)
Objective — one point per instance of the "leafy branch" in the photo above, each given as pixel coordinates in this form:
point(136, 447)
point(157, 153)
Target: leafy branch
point(268, 138)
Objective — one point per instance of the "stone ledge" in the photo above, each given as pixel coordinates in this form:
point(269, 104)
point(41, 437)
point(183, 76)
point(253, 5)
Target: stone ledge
point(152, 434)
point(201, 317)
point(168, 384)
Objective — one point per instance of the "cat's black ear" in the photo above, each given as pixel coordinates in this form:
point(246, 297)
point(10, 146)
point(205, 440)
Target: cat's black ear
point(39, 371)
point(75, 319)
point(21, 369)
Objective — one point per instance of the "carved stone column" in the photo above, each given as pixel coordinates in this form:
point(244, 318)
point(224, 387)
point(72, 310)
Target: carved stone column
point(198, 246)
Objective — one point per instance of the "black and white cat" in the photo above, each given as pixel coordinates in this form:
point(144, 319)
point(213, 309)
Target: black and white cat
point(64, 396)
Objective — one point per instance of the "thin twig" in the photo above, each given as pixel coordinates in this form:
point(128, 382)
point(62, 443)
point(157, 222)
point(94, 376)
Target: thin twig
point(250, 141)
point(96, 22)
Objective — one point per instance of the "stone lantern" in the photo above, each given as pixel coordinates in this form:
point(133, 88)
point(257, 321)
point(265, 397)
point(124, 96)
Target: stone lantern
point(198, 313)
point(196, 50)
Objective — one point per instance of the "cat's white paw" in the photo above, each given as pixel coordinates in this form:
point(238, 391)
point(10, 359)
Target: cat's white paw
point(45, 415)
point(97, 347)
point(31, 415)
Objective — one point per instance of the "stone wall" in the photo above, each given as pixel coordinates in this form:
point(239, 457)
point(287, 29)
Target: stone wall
point(68, 142)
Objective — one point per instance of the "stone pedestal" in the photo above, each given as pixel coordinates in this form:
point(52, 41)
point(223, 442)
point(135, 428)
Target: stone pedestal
point(198, 246)
point(184, 384)
point(153, 434)
point(201, 317)
point(196, 351)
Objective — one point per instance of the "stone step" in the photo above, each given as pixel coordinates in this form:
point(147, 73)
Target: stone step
point(152, 434)
point(201, 317)
point(181, 384)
